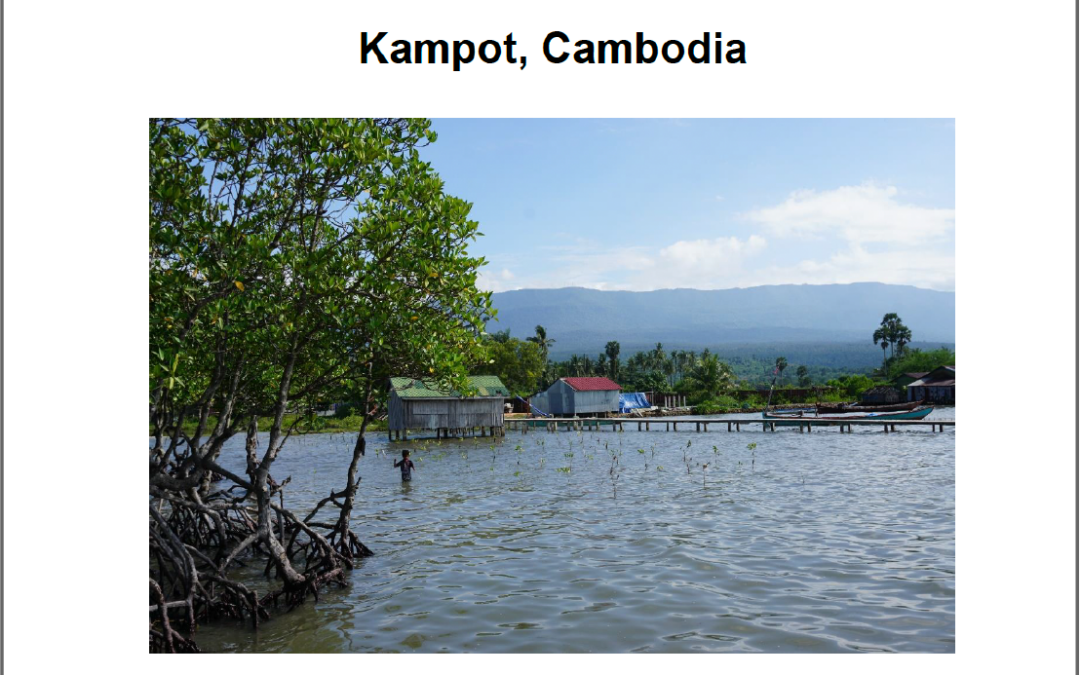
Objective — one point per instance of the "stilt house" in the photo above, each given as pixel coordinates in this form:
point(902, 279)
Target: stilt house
point(937, 386)
point(418, 405)
point(571, 396)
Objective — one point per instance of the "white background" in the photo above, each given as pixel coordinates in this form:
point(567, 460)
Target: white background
point(82, 78)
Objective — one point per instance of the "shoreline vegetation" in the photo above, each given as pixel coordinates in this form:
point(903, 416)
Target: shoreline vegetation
point(303, 424)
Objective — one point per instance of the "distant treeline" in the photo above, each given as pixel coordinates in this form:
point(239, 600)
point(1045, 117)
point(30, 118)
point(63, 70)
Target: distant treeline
point(526, 366)
point(754, 363)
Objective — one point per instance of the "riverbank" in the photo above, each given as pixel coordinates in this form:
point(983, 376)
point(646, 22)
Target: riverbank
point(318, 425)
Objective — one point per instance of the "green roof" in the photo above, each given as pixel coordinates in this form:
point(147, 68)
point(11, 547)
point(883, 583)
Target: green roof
point(485, 385)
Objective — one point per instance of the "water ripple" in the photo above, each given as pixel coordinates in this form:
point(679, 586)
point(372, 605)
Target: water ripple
point(821, 542)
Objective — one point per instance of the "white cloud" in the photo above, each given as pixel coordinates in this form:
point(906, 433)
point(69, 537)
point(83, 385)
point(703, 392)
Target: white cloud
point(707, 256)
point(495, 281)
point(701, 263)
point(865, 233)
point(922, 268)
point(862, 214)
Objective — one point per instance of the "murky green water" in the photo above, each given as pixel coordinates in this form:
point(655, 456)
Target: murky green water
point(606, 542)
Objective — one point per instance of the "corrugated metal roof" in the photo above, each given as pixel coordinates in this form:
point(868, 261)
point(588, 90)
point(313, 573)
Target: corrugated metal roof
point(591, 384)
point(942, 376)
point(485, 385)
point(933, 383)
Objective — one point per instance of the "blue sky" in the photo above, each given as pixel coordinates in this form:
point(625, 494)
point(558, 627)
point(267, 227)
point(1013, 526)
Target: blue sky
point(636, 204)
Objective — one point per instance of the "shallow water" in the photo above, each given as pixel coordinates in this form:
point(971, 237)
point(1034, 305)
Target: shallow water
point(622, 542)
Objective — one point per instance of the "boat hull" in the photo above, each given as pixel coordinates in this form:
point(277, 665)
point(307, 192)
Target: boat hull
point(843, 408)
point(784, 419)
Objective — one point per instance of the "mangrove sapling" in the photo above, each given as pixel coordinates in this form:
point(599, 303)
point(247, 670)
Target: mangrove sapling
point(613, 473)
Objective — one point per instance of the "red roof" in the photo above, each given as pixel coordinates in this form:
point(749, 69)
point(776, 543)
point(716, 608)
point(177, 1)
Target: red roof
point(591, 384)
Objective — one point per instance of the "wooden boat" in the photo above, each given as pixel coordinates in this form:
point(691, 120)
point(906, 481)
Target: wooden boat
point(834, 408)
point(785, 418)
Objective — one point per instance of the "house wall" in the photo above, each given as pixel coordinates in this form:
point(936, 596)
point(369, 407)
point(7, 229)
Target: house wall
point(933, 394)
point(560, 399)
point(590, 402)
point(541, 402)
point(444, 413)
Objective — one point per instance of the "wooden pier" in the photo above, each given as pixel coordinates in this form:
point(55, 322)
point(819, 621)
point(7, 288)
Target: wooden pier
point(805, 425)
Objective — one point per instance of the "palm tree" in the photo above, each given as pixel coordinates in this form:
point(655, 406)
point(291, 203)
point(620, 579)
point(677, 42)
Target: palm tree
point(902, 338)
point(712, 375)
point(543, 341)
point(781, 364)
point(895, 330)
point(658, 357)
point(803, 373)
point(612, 351)
point(892, 333)
point(882, 335)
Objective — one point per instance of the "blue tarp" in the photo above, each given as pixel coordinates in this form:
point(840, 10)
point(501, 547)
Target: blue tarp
point(628, 402)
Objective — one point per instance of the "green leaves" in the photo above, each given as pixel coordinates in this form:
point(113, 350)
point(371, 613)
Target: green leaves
point(310, 241)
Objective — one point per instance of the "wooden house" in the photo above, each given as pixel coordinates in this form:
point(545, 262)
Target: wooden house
point(419, 405)
point(571, 396)
point(937, 386)
point(904, 379)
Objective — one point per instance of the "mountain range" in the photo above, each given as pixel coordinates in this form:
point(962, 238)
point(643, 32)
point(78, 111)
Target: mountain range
point(582, 321)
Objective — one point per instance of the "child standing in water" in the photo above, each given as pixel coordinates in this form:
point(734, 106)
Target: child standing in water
point(406, 466)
